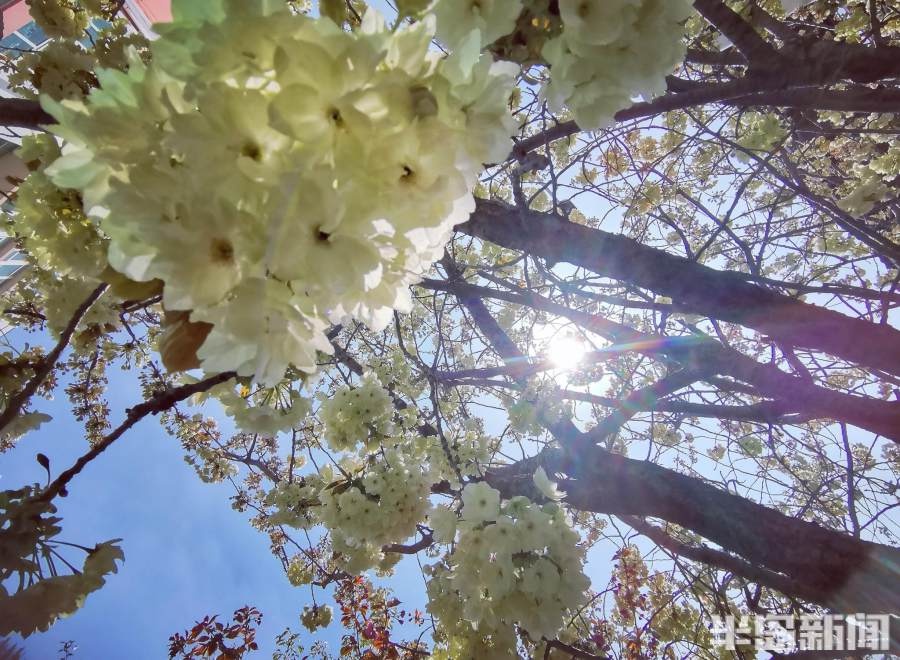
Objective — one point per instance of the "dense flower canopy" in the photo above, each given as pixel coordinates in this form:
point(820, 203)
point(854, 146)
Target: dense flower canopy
point(349, 158)
point(354, 148)
point(501, 284)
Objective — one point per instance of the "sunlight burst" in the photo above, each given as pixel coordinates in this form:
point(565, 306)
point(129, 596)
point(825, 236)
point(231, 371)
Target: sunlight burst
point(565, 352)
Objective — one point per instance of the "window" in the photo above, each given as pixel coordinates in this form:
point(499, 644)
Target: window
point(13, 45)
point(33, 33)
point(96, 25)
point(8, 270)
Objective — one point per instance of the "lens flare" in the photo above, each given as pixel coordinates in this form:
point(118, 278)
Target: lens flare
point(565, 352)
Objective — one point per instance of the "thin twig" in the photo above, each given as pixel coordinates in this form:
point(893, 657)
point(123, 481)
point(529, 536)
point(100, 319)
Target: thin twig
point(17, 402)
point(154, 405)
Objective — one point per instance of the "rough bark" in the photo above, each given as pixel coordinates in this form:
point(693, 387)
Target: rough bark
point(22, 113)
point(722, 295)
point(835, 570)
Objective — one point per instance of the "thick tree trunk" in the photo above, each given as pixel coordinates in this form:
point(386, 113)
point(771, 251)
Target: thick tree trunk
point(22, 113)
point(832, 569)
point(835, 570)
point(696, 288)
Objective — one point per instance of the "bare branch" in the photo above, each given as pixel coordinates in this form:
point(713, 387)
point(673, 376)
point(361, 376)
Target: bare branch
point(23, 113)
point(717, 558)
point(752, 46)
point(17, 402)
point(156, 404)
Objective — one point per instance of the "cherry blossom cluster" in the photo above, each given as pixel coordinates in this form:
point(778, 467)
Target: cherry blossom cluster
point(279, 174)
point(758, 131)
point(59, 18)
point(315, 617)
point(50, 220)
point(360, 414)
point(371, 500)
point(512, 564)
point(267, 411)
point(294, 502)
point(466, 454)
point(64, 247)
point(300, 571)
point(382, 506)
point(872, 182)
point(13, 376)
point(612, 51)
point(601, 54)
point(64, 67)
point(539, 401)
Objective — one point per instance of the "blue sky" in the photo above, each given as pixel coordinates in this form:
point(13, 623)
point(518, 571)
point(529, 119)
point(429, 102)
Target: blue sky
point(187, 553)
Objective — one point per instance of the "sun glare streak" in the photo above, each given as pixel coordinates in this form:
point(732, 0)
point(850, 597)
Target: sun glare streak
point(565, 352)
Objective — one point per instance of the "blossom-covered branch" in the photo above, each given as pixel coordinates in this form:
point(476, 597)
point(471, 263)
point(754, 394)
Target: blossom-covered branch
point(152, 406)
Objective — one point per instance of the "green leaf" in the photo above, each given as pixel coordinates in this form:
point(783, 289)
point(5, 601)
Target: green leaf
point(751, 446)
point(197, 11)
point(336, 10)
point(174, 51)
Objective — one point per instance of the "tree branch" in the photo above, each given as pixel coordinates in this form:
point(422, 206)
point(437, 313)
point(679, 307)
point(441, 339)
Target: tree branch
point(716, 58)
point(411, 549)
point(716, 558)
point(573, 651)
point(765, 412)
point(834, 569)
point(23, 113)
point(795, 76)
point(644, 398)
point(854, 99)
point(160, 402)
point(696, 288)
point(875, 415)
point(17, 402)
point(752, 46)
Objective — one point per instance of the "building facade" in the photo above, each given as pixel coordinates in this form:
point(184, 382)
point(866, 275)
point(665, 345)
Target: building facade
point(21, 33)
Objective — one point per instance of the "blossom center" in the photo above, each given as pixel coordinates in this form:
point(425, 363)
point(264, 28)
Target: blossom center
point(222, 251)
point(409, 175)
point(252, 151)
point(335, 116)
